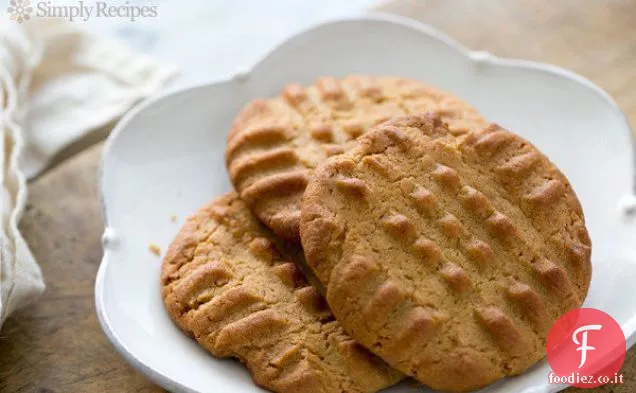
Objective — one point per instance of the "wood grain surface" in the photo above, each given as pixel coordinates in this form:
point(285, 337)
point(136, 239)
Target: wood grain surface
point(595, 38)
point(56, 345)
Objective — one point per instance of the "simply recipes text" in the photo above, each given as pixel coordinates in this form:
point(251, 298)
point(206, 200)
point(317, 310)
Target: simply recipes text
point(83, 11)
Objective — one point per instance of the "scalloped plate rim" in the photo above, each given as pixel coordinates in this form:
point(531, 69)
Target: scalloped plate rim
point(470, 55)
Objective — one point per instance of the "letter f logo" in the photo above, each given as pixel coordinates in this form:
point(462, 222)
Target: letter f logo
point(584, 347)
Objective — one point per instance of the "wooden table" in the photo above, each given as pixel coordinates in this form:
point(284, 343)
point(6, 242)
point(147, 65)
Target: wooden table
point(56, 345)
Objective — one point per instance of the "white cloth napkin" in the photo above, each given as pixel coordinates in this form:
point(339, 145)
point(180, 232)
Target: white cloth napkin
point(57, 85)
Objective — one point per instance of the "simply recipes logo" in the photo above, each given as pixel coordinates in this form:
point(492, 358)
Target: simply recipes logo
point(19, 10)
point(23, 10)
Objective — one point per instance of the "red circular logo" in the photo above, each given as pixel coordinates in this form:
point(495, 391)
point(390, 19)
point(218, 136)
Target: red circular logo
point(586, 348)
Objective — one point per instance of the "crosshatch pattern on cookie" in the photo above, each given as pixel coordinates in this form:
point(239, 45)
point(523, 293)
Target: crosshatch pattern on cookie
point(454, 270)
point(228, 282)
point(275, 143)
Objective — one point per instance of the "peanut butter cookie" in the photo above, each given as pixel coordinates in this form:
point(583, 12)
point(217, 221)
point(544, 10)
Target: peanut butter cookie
point(225, 282)
point(448, 256)
point(275, 143)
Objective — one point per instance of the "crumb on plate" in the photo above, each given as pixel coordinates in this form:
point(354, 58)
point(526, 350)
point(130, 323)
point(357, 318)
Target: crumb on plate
point(155, 249)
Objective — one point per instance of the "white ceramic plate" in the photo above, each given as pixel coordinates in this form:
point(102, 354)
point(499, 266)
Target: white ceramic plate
point(166, 157)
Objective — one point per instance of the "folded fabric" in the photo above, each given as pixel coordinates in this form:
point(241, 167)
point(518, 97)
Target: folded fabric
point(58, 84)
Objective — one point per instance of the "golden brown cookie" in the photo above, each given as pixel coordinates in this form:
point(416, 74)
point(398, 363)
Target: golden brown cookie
point(275, 144)
point(449, 257)
point(225, 282)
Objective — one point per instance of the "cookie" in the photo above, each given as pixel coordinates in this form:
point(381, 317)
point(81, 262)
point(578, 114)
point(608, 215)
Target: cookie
point(275, 143)
point(448, 256)
point(225, 282)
